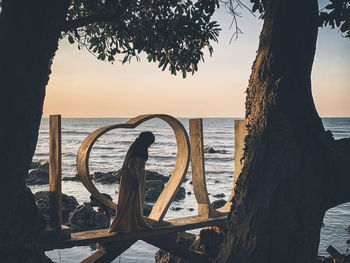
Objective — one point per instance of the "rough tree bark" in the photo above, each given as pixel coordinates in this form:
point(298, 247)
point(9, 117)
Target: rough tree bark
point(28, 40)
point(293, 169)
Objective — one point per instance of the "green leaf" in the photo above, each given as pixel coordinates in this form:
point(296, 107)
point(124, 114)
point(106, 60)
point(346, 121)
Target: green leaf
point(70, 39)
point(102, 56)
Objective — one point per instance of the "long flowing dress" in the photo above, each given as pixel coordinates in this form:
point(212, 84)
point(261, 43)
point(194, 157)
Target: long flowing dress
point(131, 197)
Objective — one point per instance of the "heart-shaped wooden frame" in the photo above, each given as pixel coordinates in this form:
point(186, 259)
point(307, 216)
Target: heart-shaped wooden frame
point(180, 169)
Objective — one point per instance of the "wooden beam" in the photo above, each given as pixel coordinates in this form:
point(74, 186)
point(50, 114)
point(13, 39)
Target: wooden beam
point(198, 169)
point(169, 244)
point(108, 252)
point(240, 133)
point(103, 236)
point(55, 171)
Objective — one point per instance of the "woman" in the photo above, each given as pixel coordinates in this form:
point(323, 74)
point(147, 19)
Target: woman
point(131, 190)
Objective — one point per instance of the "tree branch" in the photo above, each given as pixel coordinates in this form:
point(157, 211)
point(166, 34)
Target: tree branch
point(85, 21)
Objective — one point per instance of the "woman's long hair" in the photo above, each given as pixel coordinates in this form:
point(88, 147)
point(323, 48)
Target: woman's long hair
point(139, 147)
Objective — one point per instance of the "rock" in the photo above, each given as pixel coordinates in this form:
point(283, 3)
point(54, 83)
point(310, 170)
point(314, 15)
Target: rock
point(212, 150)
point(348, 241)
point(191, 182)
point(107, 178)
point(94, 202)
point(69, 203)
point(219, 195)
point(151, 195)
point(153, 188)
point(183, 239)
point(44, 166)
point(210, 238)
point(218, 203)
point(189, 192)
point(216, 181)
point(38, 177)
point(175, 208)
point(181, 194)
point(157, 184)
point(114, 177)
point(147, 209)
point(190, 209)
point(102, 208)
point(151, 175)
point(71, 178)
point(84, 218)
point(209, 150)
point(34, 165)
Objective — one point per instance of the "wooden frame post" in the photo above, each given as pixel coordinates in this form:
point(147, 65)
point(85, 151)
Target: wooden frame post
point(240, 133)
point(55, 171)
point(198, 169)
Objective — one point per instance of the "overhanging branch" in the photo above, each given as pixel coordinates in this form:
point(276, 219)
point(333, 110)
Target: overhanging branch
point(85, 21)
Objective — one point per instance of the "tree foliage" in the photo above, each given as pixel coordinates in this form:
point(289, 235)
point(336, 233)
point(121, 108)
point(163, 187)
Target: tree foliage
point(172, 33)
point(337, 14)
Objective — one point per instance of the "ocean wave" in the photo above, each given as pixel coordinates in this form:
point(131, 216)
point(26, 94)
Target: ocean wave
point(218, 171)
point(163, 156)
point(71, 132)
point(219, 159)
point(41, 154)
point(103, 148)
point(69, 154)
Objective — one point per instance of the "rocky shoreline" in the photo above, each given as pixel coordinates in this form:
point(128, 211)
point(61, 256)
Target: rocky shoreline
point(83, 217)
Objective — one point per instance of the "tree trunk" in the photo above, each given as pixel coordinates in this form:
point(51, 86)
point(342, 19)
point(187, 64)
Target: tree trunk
point(288, 179)
point(29, 34)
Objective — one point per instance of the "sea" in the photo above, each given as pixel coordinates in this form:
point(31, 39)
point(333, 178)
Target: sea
point(108, 155)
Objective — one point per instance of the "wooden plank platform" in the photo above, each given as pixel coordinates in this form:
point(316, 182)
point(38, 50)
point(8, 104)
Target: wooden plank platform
point(102, 236)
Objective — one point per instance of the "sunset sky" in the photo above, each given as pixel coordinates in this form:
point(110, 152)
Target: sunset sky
point(82, 86)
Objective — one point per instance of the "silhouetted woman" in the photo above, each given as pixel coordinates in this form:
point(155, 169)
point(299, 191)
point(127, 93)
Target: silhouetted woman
point(132, 187)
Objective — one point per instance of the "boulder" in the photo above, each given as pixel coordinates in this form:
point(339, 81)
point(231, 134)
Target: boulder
point(114, 177)
point(34, 165)
point(69, 203)
point(153, 188)
point(210, 238)
point(84, 218)
point(75, 178)
point(175, 208)
point(151, 175)
point(181, 194)
point(44, 165)
point(102, 208)
point(107, 178)
point(212, 150)
point(38, 177)
point(208, 242)
point(218, 203)
point(184, 239)
point(219, 195)
point(157, 184)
